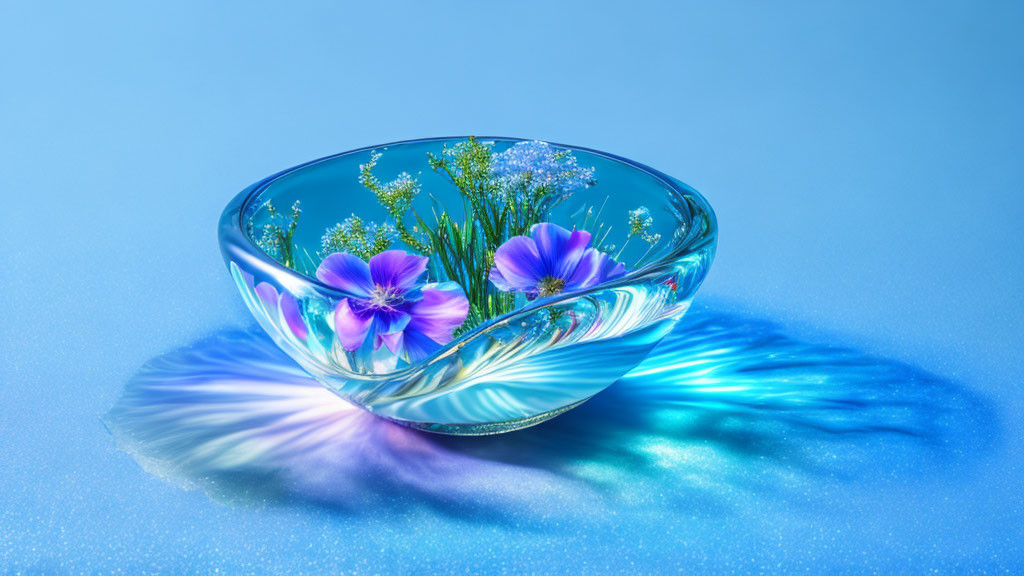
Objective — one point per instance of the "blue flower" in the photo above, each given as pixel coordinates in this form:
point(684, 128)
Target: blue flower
point(550, 261)
point(390, 306)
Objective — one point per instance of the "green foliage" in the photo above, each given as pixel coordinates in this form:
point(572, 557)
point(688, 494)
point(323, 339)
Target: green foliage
point(466, 253)
point(396, 197)
point(277, 233)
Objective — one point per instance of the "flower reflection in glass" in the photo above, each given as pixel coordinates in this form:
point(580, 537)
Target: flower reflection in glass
point(388, 304)
point(550, 261)
point(284, 303)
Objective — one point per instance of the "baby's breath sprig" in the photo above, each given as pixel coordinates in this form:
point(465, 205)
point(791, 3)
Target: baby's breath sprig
point(532, 178)
point(357, 237)
point(396, 197)
point(640, 222)
point(276, 238)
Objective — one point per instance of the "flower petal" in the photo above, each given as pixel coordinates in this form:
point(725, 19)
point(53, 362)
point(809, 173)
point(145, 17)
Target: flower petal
point(398, 269)
point(499, 281)
point(560, 249)
point(519, 263)
point(442, 309)
point(350, 326)
point(385, 322)
point(594, 268)
point(393, 341)
point(346, 273)
point(418, 346)
point(612, 270)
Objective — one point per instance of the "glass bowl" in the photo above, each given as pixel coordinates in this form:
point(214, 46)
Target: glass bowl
point(538, 354)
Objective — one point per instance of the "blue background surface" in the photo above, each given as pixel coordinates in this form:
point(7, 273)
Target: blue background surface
point(864, 160)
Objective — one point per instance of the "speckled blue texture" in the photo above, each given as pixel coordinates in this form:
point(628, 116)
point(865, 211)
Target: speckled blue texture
point(845, 399)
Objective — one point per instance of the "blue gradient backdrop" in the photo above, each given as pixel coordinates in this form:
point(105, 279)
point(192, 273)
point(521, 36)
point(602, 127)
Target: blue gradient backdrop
point(864, 159)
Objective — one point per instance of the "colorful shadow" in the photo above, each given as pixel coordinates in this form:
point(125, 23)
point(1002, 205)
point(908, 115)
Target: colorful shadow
point(728, 412)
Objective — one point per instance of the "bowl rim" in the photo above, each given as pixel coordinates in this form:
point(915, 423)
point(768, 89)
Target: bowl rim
point(231, 232)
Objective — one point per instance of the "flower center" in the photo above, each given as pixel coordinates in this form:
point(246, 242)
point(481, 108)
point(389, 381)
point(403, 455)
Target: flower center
point(549, 286)
point(385, 297)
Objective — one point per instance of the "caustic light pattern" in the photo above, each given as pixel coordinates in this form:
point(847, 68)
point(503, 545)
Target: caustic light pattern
point(727, 412)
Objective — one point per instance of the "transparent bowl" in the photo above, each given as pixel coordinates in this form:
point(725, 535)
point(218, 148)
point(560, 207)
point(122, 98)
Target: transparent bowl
point(511, 371)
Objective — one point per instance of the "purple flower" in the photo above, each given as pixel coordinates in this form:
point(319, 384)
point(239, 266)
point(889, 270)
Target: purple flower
point(552, 261)
point(388, 304)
